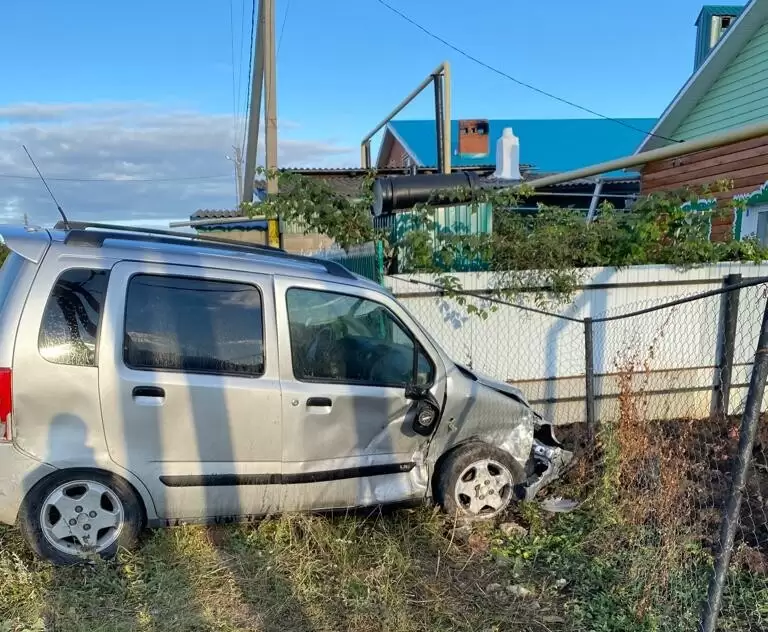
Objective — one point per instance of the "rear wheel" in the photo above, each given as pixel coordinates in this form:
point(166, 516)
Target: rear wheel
point(75, 514)
point(477, 481)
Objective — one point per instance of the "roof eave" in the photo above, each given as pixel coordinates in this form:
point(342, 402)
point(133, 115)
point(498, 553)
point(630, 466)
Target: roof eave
point(700, 81)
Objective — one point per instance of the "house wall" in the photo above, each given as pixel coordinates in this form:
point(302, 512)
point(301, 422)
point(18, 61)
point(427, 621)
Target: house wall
point(258, 237)
point(675, 350)
point(744, 163)
point(299, 243)
point(737, 98)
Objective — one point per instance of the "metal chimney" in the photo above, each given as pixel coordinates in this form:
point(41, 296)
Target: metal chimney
point(508, 156)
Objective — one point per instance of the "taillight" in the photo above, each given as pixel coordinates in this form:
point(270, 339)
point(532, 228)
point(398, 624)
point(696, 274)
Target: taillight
point(6, 404)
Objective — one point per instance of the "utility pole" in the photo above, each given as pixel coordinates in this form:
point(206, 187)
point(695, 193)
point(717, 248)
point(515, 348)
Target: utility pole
point(254, 108)
point(237, 160)
point(270, 102)
point(263, 78)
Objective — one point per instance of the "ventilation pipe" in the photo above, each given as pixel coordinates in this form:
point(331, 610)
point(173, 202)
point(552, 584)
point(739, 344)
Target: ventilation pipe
point(401, 192)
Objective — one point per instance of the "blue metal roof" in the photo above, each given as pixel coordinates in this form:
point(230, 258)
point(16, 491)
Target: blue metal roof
point(547, 145)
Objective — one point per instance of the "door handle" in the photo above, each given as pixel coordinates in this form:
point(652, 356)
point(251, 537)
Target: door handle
point(319, 402)
point(148, 391)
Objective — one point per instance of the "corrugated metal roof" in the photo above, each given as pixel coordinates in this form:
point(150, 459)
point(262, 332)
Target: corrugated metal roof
point(215, 214)
point(708, 10)
point(259, 225)
point(551, 145)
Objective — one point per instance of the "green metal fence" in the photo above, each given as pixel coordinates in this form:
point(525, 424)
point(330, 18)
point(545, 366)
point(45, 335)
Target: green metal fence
point(441, 224)
point(366, 260)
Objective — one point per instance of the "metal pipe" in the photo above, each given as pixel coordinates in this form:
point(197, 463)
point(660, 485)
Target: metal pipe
point(399, 108)
point(730, 523)
point(595, 200)
point(671, 151)
point(447, 125)
point(437, 80)
point(728, 345)
point(589, 376)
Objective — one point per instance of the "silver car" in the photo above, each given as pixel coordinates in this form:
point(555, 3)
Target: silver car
point(151, 378)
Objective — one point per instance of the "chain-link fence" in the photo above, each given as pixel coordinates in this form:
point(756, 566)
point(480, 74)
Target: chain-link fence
point(674, 469)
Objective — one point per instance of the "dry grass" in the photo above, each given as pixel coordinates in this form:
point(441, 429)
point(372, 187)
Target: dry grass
point(405, 571)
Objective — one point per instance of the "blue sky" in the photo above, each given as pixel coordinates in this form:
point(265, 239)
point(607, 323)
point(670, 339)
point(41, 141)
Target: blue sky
point(145, 89)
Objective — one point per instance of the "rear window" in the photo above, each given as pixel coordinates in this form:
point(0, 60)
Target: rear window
point(71, 319)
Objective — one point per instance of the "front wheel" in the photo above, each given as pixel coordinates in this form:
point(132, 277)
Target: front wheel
point(74, 514)
point(477, 482)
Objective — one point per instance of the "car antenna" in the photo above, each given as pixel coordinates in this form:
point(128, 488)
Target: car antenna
point(53, 197)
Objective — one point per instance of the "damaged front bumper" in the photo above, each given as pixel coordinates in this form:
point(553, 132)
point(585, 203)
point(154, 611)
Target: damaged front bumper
point(548, 461)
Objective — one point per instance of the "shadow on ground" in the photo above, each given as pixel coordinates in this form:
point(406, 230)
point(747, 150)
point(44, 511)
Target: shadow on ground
point(407, 570)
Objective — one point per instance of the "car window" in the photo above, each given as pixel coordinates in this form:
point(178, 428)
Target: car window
point(71, 318)
point(177, 323)
point(343, 338)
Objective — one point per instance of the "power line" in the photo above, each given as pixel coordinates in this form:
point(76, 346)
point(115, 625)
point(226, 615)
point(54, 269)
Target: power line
point(282, 27)
point(182, 179)
point(513, 79)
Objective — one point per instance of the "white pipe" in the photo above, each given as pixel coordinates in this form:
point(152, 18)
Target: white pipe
point(595, 200)
point(671, 151)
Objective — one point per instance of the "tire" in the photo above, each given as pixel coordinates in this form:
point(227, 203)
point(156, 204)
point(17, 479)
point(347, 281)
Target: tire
point(72, 515)
point(491, 487)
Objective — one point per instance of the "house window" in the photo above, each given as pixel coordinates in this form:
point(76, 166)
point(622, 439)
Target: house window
point(762, 225)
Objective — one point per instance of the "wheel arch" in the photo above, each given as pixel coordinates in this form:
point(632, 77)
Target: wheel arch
point(61, 471)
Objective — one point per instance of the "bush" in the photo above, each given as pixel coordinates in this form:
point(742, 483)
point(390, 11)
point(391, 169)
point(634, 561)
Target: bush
point(544, 249)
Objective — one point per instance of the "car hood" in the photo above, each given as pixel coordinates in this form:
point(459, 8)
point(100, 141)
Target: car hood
point(496, 385)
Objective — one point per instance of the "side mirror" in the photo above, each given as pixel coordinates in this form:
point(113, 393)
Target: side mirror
point(427, 412)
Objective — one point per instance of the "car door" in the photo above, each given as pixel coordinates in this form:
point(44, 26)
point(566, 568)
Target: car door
point(190, 392)
point(347, 354)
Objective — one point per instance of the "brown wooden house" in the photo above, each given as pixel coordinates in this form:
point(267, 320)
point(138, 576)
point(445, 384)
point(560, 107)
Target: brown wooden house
point(728, 89)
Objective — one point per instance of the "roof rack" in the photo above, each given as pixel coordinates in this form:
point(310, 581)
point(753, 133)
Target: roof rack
point(79, 233)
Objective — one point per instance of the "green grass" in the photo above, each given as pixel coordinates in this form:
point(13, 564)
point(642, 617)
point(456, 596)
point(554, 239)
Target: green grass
point(404, 571)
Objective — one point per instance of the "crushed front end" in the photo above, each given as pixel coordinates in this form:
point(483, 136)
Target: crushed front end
point(548, 461)
point(482, 409)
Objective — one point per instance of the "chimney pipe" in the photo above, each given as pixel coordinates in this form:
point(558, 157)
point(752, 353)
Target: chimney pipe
point(508, 156)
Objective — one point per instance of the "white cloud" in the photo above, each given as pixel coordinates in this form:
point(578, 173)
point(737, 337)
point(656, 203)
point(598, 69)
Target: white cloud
point(128, 143)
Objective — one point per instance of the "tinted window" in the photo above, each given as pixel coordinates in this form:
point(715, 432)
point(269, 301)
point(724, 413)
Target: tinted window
point(193, 325)
point(71, 318)
point(341, 338)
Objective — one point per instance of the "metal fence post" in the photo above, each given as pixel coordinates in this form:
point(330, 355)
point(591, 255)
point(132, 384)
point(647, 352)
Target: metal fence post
point(589, 359)
point(749, 423)
point(379, 261)
point(728, 344)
